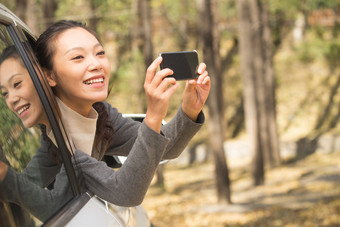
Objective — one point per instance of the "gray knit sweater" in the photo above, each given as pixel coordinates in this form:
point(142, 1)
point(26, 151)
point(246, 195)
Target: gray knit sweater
point(127, 186)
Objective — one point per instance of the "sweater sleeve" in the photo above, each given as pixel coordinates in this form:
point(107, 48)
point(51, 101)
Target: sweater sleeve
point(179, 131)
point(40, 202)
point(128, 185)
point(144, 149)
point(43, 166)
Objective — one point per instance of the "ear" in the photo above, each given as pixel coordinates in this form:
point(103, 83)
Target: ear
point(51, 79)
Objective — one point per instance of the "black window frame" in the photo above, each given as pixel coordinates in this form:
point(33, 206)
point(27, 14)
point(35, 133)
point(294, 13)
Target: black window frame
point(27, 60)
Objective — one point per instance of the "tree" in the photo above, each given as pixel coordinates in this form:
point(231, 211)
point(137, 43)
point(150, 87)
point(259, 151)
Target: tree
point(49, 8)
point(20, 11)
point(26, 10)
point(145, 18)
point(93, 20)
point(258, 80)
point(212, 58)
point(142, 42)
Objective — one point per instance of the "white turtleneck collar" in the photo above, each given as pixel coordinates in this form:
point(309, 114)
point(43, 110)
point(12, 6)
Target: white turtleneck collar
point(80, 129)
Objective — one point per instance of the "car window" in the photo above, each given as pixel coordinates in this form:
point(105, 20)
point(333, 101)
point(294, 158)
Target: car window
point(36, 184)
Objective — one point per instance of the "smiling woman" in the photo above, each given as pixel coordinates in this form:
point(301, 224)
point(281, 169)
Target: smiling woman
point(21, 97)
point(81, 70)
point(18, 90)
point(78, 70)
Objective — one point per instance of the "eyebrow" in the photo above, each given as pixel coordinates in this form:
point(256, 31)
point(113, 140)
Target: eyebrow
point(11, 78)
point(81, 48)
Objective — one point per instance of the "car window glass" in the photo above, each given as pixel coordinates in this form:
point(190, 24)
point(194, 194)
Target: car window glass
point(36, 185)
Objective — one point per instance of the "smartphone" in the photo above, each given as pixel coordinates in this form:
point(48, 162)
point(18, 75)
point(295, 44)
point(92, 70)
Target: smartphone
point(183, 63)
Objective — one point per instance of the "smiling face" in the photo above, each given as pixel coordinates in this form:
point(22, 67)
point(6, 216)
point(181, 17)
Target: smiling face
point(19, 92)
point(81, 70)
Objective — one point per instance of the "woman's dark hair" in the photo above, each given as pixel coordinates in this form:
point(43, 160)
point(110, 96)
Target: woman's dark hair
point(45, 50)
point(45, 44)
point(10, 52)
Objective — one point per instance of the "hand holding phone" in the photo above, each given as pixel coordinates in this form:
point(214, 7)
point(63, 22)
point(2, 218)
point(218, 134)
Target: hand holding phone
point(184, 64)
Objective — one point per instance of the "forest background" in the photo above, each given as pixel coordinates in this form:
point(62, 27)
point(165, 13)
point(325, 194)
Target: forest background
point(271, 134)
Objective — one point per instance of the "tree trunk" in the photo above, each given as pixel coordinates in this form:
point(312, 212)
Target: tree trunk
point(144, 12)
point(215, 102)
point(49, 8)
point(20, 11)
point(273, 153)
point(93, 24)
point(137, 49)
point(32, 21)
point(183, 26)
point(26, 10)
point(142, 42)
point(259, 90)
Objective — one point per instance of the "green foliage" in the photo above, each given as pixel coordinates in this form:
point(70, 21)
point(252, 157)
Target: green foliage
point(111, 15)
point(332, 54)
point(10, 4)
point(124, 76)
point(305, 54)
point(319, 4)
point(115, 16)
point(319, 31)
point(290, 7)
point(308, 72)
point(316, 47)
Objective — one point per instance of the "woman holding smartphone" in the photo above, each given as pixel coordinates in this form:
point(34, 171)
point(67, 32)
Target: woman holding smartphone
point(78, 72)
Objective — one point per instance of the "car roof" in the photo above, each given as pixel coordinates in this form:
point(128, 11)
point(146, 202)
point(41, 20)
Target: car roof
point(7, 17)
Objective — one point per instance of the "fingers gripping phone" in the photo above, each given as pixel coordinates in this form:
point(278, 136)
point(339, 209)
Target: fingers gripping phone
point(184, 64)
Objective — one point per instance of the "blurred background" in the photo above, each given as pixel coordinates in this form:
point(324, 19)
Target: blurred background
point(269, 152)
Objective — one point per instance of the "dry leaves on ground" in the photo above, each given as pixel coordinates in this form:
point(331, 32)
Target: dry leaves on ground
point(304, 193)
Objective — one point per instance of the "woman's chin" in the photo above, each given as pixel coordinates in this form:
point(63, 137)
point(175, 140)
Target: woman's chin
point(28, 124)
point(100, 97)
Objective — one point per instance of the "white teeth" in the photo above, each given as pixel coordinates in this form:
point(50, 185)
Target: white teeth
point(89, 82)
point(22, 109)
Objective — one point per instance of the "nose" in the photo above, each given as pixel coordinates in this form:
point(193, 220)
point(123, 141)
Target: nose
point(94, 63)
point(12, 99)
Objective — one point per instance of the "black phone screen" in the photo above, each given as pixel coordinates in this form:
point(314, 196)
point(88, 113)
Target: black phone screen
point(184, 64)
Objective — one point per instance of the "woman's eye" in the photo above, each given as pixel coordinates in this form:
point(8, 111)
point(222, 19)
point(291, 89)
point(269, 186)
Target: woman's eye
point(17, 84)
point(101, 52)
point(77, 57)
point(4, 94)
